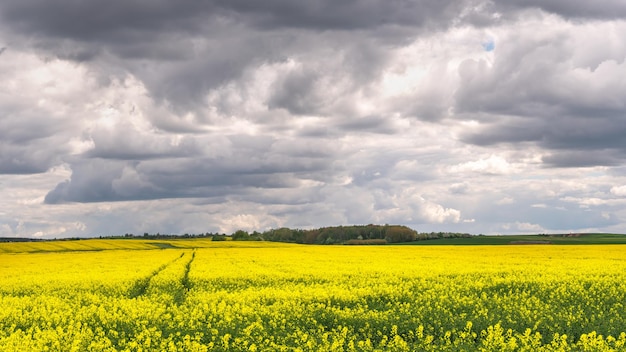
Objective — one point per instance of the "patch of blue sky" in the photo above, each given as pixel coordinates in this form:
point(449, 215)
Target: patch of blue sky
point(489, 45)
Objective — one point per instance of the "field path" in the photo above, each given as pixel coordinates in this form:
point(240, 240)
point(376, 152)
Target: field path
point(140, 287)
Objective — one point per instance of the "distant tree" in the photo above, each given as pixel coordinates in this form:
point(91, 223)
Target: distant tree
point(400, 234)
point(240, 235)
point(283, 234)
point(256, 236)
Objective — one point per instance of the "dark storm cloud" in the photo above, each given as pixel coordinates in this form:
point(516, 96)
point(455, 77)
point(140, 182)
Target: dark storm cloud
point(571, 141)
point(562, 132)
point(250, 163)
point(179, 30)
point(601, 9)
point(182, 49)
point(549, 90)
point(103, 21)
point(31, 141)
point(36, 158)
point(91, 182)
point(328, 14)
point(101, 180)
point(185, 84)
point(377, 124)
point(17, 125)
point(329, 70)
point(585, 158)
point(178, 49)
point(297, 93)
point(99, 19)
point(126, 144)
point(592, 133)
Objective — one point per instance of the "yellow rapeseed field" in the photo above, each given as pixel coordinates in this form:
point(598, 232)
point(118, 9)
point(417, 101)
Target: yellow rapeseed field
point(199, 295)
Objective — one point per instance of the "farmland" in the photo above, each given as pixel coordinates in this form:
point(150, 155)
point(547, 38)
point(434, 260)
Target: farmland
point(198, 295)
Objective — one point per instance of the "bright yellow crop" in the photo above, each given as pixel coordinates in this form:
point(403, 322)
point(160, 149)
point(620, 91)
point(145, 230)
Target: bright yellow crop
point(268, 297)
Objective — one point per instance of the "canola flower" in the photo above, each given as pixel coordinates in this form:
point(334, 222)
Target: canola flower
point(280, 297)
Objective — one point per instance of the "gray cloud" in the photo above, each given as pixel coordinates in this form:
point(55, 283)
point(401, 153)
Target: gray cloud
point(584, 158)
point(547, 89)
point(297, 93)
point(376, 124)
point(126, 144)
point(103, 20)
point(248, 163)
point(349, 15)
point(279, 113)
point(36, 158)
point(603, 9)
point(181, 50)
point(31, 139)
point(107, 19)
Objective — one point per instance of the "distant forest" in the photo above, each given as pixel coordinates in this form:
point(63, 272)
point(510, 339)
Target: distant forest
point(356, 234)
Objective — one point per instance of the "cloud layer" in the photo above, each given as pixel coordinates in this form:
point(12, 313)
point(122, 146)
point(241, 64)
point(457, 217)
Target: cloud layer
point(195, 116)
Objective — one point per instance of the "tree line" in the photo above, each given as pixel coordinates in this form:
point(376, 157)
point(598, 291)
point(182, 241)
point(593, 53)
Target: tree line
point(354, 234)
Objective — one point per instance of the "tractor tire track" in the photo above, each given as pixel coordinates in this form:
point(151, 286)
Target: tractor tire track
point(140, 286)
point(186, 285)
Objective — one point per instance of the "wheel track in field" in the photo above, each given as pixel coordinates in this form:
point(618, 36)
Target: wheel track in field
point(140, 286)
point(181, 294)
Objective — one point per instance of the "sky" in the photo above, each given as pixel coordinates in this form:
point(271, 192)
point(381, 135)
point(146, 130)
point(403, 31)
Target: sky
point(193, 116)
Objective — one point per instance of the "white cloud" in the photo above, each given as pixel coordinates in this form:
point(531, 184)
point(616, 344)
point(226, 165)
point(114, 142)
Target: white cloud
point(525, 227)
point(619, 191)
point(493, 165)
point(585, 202)
point(505, 200)
point(436, 213)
